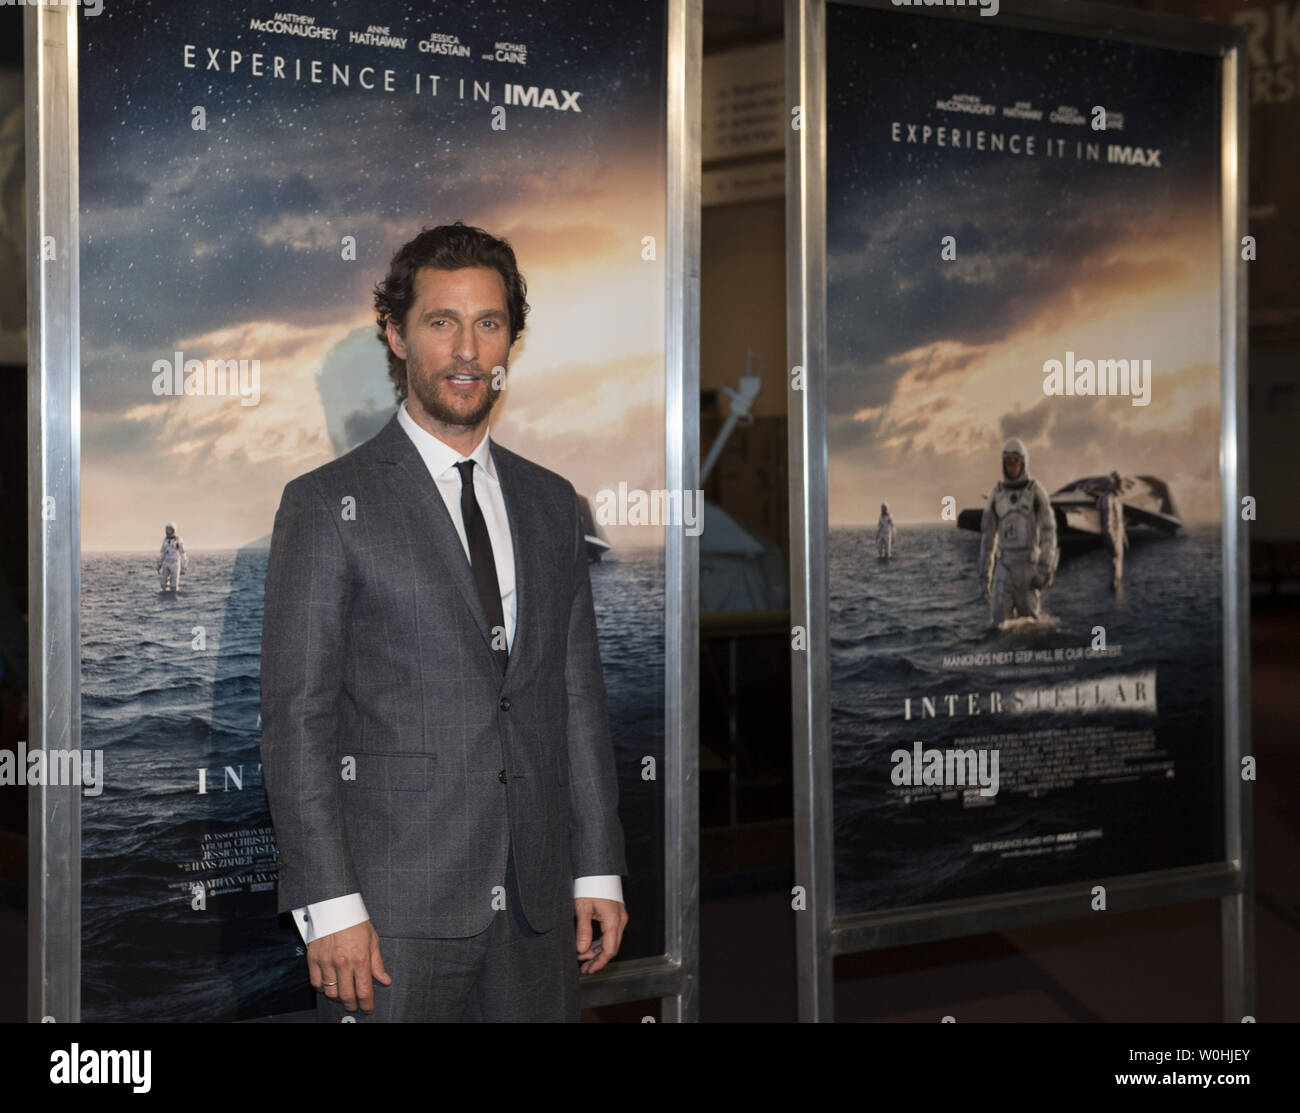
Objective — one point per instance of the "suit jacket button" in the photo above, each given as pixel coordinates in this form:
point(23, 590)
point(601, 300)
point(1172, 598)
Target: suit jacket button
point(502, 776)
point(505, 703)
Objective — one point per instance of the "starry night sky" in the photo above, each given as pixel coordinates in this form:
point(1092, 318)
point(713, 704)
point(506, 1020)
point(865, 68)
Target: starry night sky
point(933, 363)
point(225, 242)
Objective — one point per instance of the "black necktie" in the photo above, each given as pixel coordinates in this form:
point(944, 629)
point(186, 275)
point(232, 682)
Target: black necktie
point(480, 557)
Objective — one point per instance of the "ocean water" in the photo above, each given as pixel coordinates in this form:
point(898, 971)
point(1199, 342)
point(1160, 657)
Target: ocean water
point(892, 623)
point(161, 712)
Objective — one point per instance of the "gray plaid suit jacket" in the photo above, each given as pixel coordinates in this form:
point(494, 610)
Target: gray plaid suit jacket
point(388, 727)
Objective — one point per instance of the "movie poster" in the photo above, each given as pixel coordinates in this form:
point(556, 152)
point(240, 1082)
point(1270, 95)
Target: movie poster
point(246, 175)
point(1025, 572)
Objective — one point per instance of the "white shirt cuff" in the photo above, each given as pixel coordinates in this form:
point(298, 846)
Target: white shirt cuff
point(328, 916)
point(603, 886)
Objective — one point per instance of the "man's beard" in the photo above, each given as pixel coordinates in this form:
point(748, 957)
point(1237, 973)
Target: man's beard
point(429, 397)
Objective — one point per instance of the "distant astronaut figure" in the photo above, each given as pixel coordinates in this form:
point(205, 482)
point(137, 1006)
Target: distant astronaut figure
point(885, 533)
point(1110, 508)
point(172, 560)
point(1018, 533)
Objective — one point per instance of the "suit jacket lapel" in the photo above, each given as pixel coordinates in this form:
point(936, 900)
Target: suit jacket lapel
point(416, 492)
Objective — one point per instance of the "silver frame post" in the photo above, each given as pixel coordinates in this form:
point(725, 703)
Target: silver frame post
point(54, 502)
point(809, 594)
point(682, 473)
point(1237, 910)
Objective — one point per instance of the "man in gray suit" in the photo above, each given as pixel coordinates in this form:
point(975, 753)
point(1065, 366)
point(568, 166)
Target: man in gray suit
point(435, 741)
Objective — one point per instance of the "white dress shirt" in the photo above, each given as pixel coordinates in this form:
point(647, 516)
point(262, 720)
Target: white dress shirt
point(328, 916)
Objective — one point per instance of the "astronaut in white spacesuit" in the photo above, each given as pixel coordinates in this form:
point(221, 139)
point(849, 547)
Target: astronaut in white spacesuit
point(1110, 511)
point(1018, 536)
point(885, 533)
point(172, 560)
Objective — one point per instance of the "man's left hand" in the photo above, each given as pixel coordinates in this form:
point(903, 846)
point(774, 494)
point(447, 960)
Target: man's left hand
point(612, 917)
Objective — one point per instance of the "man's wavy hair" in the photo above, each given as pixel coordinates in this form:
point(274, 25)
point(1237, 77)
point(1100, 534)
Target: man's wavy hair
point(448, 247)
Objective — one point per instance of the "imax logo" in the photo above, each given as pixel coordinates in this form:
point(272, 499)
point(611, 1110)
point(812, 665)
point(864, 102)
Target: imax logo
point(1133, 156)
point(531, 97)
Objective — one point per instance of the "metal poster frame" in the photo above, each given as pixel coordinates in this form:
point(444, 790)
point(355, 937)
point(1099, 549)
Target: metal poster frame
point(54, 499)
point(820, 934)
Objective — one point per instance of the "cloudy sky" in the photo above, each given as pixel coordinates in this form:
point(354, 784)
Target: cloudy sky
point(225, 243)
point(934, 363)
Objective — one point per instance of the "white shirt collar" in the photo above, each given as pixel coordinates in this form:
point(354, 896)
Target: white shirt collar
point(440, 457)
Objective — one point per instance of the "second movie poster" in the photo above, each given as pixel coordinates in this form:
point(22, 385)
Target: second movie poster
point(1023, 252)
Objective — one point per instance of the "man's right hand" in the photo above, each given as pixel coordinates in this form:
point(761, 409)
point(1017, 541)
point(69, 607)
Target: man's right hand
point(348, 959)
